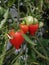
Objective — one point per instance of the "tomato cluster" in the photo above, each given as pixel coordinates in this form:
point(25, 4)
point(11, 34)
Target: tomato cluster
point(28, 26)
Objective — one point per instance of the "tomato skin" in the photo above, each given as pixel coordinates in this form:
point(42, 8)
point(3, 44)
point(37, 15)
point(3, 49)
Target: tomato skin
point(24, 28)
point(33, 28)
point(17, 40)
point(11, 32)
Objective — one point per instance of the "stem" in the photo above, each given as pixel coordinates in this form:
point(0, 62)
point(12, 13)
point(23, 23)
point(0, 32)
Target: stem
point(3, 51)
point(40, 55)
point(34, 63)
point(26, 54)
point(17, 57)
point(7, 53)
point(41, 4)
point(41, 46)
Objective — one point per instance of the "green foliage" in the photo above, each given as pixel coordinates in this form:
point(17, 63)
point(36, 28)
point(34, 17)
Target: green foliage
point(2, 11)
point(28, 40)
point(10, 2)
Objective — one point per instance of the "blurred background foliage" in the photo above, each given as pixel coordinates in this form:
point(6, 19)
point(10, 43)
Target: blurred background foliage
point(11, 13)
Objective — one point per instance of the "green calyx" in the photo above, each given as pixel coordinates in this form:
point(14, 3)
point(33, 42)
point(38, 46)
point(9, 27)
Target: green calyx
point(23, 22)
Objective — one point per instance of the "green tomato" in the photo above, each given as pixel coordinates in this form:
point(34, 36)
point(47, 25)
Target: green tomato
point(41, 24)
point(35, 21)
point(28, 20)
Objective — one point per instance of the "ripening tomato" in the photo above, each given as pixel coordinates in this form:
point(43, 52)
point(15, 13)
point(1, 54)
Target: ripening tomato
point(24, 28)
point(33, 28)
point(17, 39)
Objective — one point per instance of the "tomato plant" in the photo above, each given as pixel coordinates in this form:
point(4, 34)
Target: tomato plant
point(24, 32)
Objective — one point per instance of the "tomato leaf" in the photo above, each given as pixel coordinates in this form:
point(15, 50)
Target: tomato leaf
point(4, 20)
point(28, 39)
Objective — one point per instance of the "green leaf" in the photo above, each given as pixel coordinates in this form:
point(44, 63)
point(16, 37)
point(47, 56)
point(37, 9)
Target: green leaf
point(10, 2)
point(31, 53)
point(4, 20)
point(6, 14)
point(32, 0)
point(28, 39)
point(2, 11)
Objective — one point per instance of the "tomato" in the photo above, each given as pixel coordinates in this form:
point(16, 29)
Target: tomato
point(11, 32)
point(24, 28)
point(17, 39)
point(33, 28)
point(28, 20)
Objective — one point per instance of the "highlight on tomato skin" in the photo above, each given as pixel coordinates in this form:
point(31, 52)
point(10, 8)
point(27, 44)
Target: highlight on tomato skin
point(11, 32)
point(24, 28)
point(33, 28)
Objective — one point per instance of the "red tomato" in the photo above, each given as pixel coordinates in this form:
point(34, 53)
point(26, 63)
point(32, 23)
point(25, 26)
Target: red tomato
point(17, 40)
point(24, 28)
point(33, 28)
